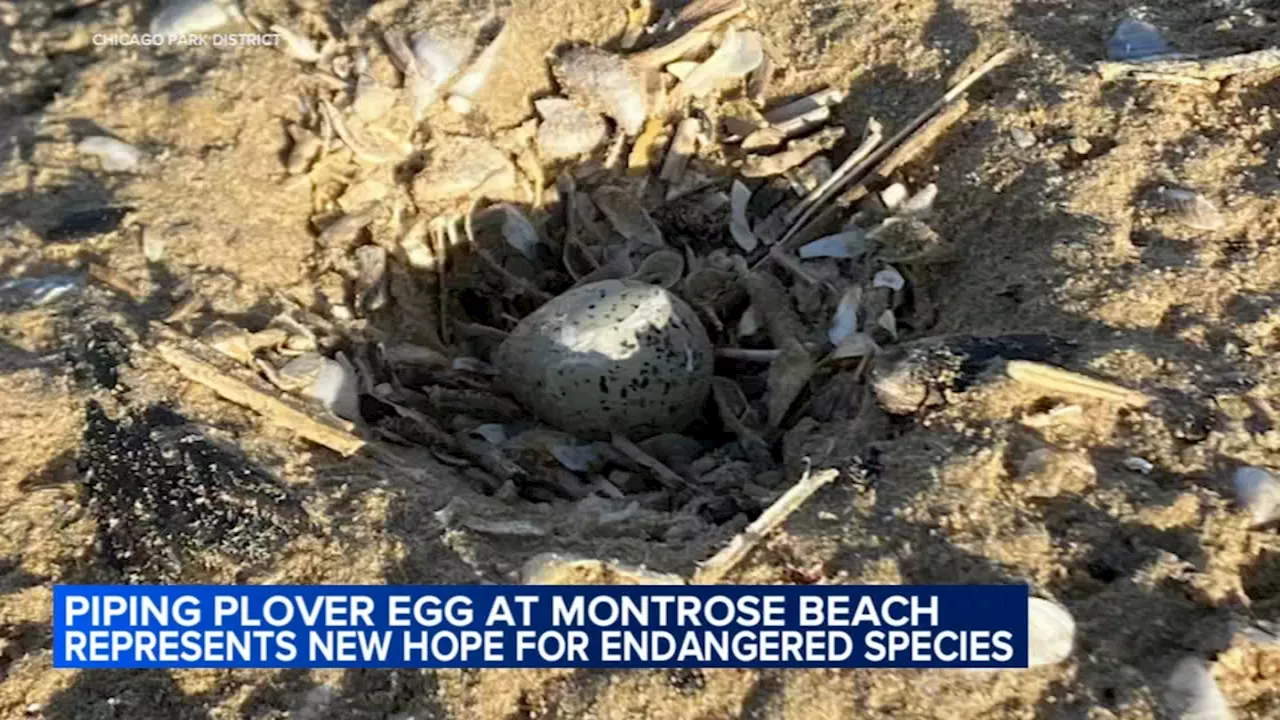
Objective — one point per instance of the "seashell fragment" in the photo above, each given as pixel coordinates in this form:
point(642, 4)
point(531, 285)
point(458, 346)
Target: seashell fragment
point(1258, 492)
point(371, 280)
point(740, 53)
point(187, 17)
point(856, 345)
point(1135, 39)
point(1051, 632)
point(305, 146)
point(605, 83)
point(804, 122)
point(845, 322)
point(1191, 693)
point(114, 155)
point(27, 292)
point(683, 145)
point(790, 111)
point(627, 217)
point(663, 268)
point(467, 87)
point(438, 59)
point(894, 195)
point(681, 69)
point(847, 244)
point(296, 45)
point(920, 204)
point(739, 228)
point(1192, 209)
point(889, 278)
point(331, 382)
point(566, 130)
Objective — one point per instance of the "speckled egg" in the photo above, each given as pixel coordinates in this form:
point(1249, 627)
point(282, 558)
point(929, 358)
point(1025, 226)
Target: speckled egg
point(611, 356)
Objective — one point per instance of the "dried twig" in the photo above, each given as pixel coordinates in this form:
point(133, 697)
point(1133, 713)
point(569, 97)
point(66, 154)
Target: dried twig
point(850, 172)
point(207, 367)
point(1048, 377)
point(662, 473)
point(713, 570)
point(1191, 70)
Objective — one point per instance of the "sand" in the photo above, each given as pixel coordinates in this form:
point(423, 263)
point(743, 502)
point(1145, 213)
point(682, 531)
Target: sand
point(1153, 566)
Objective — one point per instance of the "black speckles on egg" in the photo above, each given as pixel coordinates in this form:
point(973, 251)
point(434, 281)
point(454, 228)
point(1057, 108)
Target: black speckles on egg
point(636, 360)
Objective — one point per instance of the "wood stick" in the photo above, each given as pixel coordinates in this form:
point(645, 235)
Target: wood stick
point(713, 570)
point(855, 173)
point(1191, 69)
point(662, 473)
point(205, 366)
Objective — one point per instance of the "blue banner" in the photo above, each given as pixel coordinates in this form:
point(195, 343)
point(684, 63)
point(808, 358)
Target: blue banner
point(496, 626)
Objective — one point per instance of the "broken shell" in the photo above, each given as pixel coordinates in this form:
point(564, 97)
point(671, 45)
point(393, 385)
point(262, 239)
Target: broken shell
point(306, 146)
point(1191, 693)
point(627, 217)
point(517, 230)
point(845, 322)
point(805, 105)
point(373, 99)
point(856, 345)
point(682, 68)
point(578, 458)
point(739, 228)
point(740, 53)
point(1135, 39)
point(492, 433)
point(371, 282)
point(115, 155)
point(848, 244)
point(663, 268)
point(1258, 492)
point(683, 145)
point(894, 195)
point(889, 278)
point(605, 83)
point(331, 382)
point(612, 356)
point(566, 130)
point(186, 17)
point(920, 204)
point(467, 87)
point(296, 45)
point(1051, 632)
point(1192, 209)
point(438, 58)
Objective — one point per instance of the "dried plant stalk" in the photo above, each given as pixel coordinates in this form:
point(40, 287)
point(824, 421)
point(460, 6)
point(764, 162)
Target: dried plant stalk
point(207, 367)
point(719, 565)
point(1192, 69)
point(1055, 379)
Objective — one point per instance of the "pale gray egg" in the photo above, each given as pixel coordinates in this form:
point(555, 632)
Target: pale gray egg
point(611, 356)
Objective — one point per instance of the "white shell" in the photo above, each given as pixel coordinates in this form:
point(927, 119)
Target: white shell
point(1191, 693)
point(438, 58)
point(845, 322)
point(1051, 632)
point(739, 54)
point(1139, 465)
point(894, 195)
point(184, 17)
point(492, 433)
point(1259, 493)
point(855, 345)
point(739, 228)
point(606, 83)
point(115, 155)
point(332, 383)
point(578, 458)
point(889, 278)
point(847, 244)
point(1135, 39)
point(921, 203)
point(1193, 209)
point(464, 90)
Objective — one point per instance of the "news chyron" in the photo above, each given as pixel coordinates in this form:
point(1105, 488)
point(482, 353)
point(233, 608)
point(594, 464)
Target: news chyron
point(494, 626)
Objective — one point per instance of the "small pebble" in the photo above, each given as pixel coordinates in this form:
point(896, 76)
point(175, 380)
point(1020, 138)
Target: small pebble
point(1022, 138)
point(115, 155)
point(1139, 465)
point(1080, 145)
